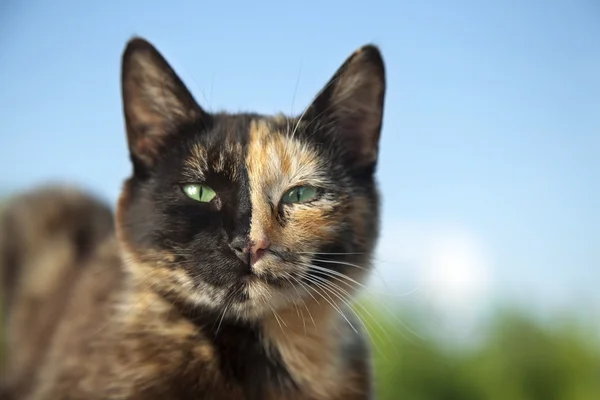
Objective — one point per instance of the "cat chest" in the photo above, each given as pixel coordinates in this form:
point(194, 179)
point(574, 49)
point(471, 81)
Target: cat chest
point(242, 360)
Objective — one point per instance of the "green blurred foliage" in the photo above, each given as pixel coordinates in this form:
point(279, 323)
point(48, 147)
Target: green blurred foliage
point(518, 358)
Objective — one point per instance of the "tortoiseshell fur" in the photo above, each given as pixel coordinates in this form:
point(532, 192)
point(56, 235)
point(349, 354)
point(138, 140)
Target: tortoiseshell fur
point(160, 306)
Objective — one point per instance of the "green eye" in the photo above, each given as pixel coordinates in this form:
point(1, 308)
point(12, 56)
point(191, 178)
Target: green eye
point(201, 193)
point(299, 194)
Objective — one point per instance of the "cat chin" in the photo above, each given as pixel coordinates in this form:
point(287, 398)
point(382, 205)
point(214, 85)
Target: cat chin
point(252, 311)
point(260, 300)
point(247, 300)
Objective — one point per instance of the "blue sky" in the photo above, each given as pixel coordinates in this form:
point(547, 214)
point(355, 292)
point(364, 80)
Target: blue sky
point(491, 130)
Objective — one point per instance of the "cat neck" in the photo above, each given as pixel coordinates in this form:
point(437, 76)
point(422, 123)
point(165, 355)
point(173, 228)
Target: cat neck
point(296, 347)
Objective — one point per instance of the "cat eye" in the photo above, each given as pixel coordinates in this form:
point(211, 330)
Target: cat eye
point(299, 194)
point(198, 192)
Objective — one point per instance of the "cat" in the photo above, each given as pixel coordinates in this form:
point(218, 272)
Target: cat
point(237, 246)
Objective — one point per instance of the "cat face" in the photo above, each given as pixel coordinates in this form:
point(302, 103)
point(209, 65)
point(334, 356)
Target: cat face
point(243, 214)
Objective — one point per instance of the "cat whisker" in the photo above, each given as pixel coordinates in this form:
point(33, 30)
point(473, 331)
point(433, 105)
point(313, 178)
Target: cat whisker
point(372, 294)
point(345, 297)
point(294, 96)
point(374, 301)
point(326, 254)
point(306, 288)
point(221, 319)
point(357, 304)
point(333, 121)
point(331, 272)
point(278, 318)
point(330, 300)
point(338, 276)
point(373, 268)
point(372, 298)
point(287, 277)
point(308, 108)
point(341, 263)
point(229, 300)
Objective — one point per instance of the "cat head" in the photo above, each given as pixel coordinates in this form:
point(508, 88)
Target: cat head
point(243, 213)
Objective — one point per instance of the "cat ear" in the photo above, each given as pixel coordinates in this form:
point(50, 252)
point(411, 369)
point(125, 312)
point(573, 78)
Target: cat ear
point(155, 101)
point(349, 109)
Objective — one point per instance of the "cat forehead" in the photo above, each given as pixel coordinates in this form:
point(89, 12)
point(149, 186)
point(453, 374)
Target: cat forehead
point(273, 155)
point(266, 148)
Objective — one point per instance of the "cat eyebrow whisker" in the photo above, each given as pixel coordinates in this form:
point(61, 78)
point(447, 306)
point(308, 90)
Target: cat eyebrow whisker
point(298, 122)
point(308, 108)
point(295, 92)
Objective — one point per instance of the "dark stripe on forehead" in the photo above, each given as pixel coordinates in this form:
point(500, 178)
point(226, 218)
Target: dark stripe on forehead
point(220, 149)
point(228, 144)
point(242, 216)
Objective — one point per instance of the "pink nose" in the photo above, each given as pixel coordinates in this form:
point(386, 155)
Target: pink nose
point(259, 248)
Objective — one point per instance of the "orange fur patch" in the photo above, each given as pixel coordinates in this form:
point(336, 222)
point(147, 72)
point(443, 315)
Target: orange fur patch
point(277, 163)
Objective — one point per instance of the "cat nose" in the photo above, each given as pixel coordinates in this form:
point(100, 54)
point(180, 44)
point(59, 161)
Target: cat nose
point(240, 247)
point(249, 252)
point(259, 248)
